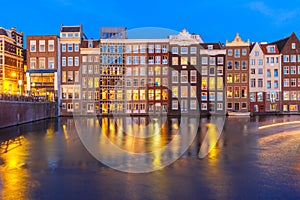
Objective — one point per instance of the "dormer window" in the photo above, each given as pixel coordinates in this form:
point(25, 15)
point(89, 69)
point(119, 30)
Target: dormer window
point(90, 44)
point(271, 49)
point(210, 47)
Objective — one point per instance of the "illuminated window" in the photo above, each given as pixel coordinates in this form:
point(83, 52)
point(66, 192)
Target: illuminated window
point(204, 83)
point(212, 83)
point(237, 92)
point(184, 60)
point(174, 91)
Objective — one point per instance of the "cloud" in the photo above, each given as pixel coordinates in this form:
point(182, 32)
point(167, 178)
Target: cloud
point(279, 16)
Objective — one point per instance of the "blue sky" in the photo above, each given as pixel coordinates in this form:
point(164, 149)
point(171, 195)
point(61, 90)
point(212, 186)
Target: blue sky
point(214, 20)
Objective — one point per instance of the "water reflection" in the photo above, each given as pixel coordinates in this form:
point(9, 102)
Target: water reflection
point(139, 144)
point(47, 160)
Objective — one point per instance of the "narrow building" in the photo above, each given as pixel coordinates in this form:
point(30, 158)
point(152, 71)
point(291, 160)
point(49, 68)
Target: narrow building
point(184, 73)
point(11, 62)
point(290, 72)
point(237, 70)
point(71, 38)
point(89, 76)
point(212, 66)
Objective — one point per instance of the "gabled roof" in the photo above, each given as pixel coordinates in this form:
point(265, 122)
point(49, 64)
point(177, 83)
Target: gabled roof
point(264, 48)
point(281, 43)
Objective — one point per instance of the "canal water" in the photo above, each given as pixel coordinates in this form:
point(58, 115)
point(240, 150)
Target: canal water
point(254, 158)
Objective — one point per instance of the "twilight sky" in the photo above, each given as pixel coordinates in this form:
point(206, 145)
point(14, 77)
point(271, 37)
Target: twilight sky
point(216, 20)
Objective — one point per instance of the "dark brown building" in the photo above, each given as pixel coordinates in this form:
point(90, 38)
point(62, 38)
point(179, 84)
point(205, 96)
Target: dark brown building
point(289, 49)
point(43, 67)
point(237, 69)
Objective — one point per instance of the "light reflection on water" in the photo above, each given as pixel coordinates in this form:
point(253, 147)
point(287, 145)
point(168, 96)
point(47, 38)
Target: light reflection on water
point(246, 163)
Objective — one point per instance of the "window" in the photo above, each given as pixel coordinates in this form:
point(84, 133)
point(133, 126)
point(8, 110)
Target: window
point(244, 64)
point(260, 83)
point(252, 62)
point(244, 52)
point(275, 84)
point(285, 70)
point(76, 61)
point(204, 96)
point(164, 48)
point(260, 71)
point(76, 47)
point(252, 71)
point(135, 60)
point(165, 60)
point(70, 47)
point(184, 91)
point(229, 92)
point(271, 49)
point(229, 52)
point(285, 58)
point(244, 92)
point(32, 63)
point(286, 82)
point(293, 82)
point(193, 105)
point(50, 45)
point(293, 69)
point(42, 63)
point(50, 63)
point(175, 61)
point(204, 83)
point(184, 61)
point(212, 71)
point(268, 73)
point(244, 78)
point(76, 76)
point(237, 65)
point(204, 60)
point(193, 76)
point(220, 60)
point(183, 50)
point(184, 76)
point(32, 45)
point(193, 60)
point(70, 61)
point(269, 84)
point(174, 50)
point(70, 75)
point(237, 92)
point(63, 61)
point(293, 58)
point(229, 65)
point(157, 60)
point(286, 95)
point(212, 61)
point(151, 60)
point(128, 60)
point(259, 96)
point(220, 70)
point(204, 70)
point(275, 72)
point(252, 82)
point(236, 53)
point(256, 53)
point(157, 48)
point(212, 83)
point(212, 96)
point(42, 45)
point(229, 78)
point(236, 78)
point(150, 48)
point(193, 50)
point(293, 45)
